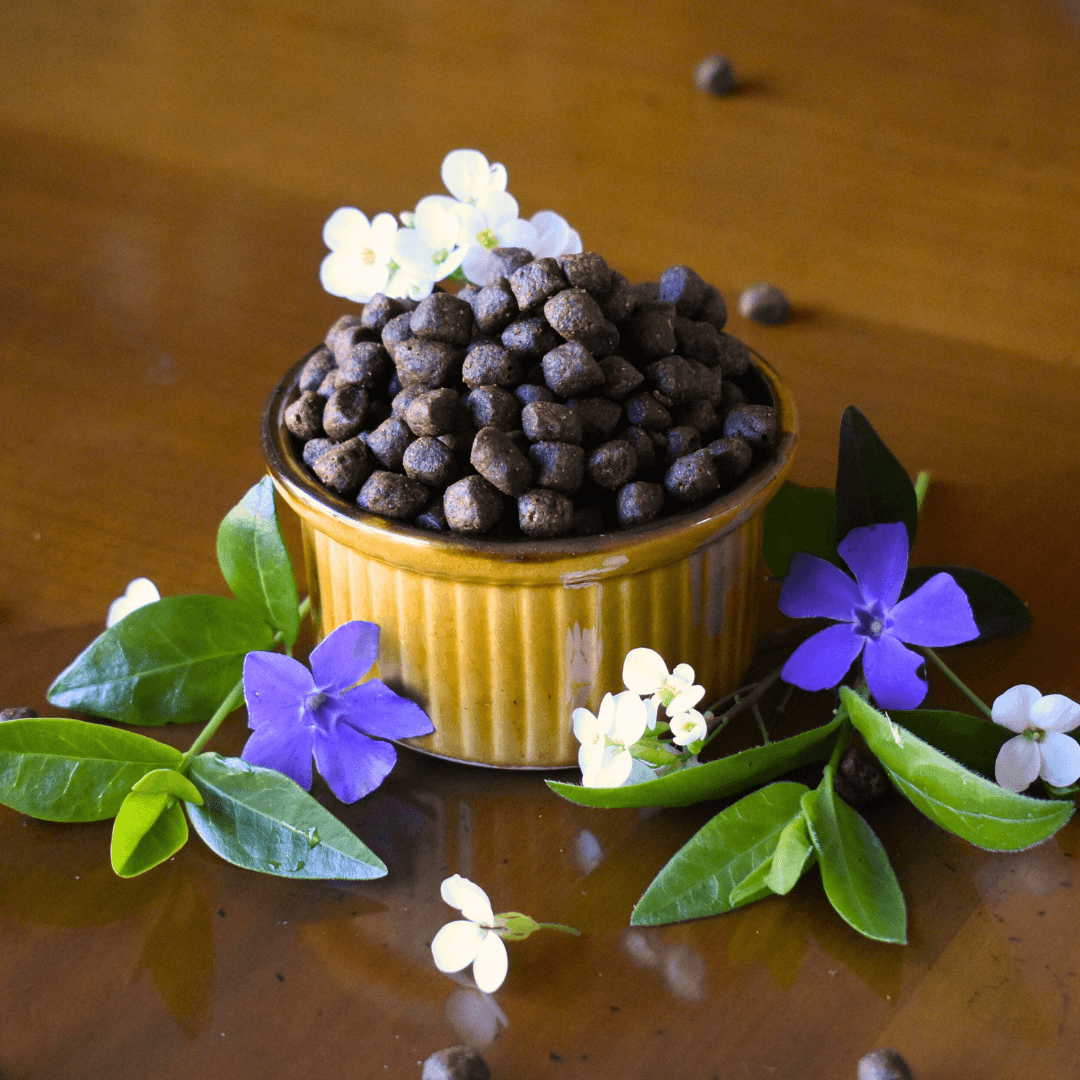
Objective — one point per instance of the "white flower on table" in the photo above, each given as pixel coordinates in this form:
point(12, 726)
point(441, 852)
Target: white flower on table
point(606, 738)
point(472, 940)
point(645, 673)
point(688, 727)
point(139, 593)
point(358, 265)
point(1040, 748)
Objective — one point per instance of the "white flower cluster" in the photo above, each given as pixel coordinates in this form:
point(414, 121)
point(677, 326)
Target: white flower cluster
point(442, 235)
point(607, 739)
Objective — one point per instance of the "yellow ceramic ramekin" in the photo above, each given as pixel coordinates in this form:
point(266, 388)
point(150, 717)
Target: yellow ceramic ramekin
point(499, 641)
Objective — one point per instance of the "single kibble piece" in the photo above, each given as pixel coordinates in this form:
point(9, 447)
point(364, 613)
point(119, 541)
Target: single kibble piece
point(731, 397)
point(621, 378)
point(314, 449)
point(764, 304)
point(492, 406)
point(468, 294)
point(346, 411)
point(692, 478)
point(378, 311)
point(318, 365)
point(433, 412)
point(587, 270)
point(715, 75)
point(494, 307)
point(643, 446)
point(460, 441)
point(545, 421)
point(397, 330)
point(344, 327)
point(731, 458)
point(535, 282)
point(528, 393)
point(700, 414)
point(427, 363)
point(443, 317)
point(393, 495)
point(530, 338)
point(645, 411)
point(575, 315)
point(860, 778)
point(433, 516)
point(571, 369)
point(431, 462)
point(673, 378)
point(599, 417)
point(304, 416)
point(557, 465)
point(884, 1064)
point(388, 441)
point(344, 466)
point(683, 287)
point(682, 441)
point(754, 423)
point(620, 299)
point(708, 382)
point(399, 404)
point(544, 513)
point(504, 261)
point(329, 384)
point(472, 505)
point(19, 712)
point(490, 365)
point(697, 340)
point(652, 330)
point(498, 460)
point(611, 464)
point(456, 1063)
point(368, 364)
point(638, 503)
point(734, 357)
point(713, 309)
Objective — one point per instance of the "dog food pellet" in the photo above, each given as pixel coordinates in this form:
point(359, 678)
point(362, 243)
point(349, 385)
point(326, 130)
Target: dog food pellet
point(587, 271)
point(346, 412)
point(530, 338)
point(505, 260)
point(571, 369)
point(494, 307)
point(547, 421)
point(344, 466)
point(492, 406)
point(367, 363)
point(621, 378)
point(497, 459)
point(490, 365)
point(432, 412)
point(682, 441)
point(645, 411)
point(638, 503)
point(713, 310)
point(427, 363)
point(392, 495)
point(575, 315)
point(557, 465)
point(314, 449)
point(443, 317)
point(528, 393)
point(378, 311)
point(304, 416)
point(692, 478)
point(764, 304)
point(731, 457)
point(431, 462)
point(397, 330)
point(388, 441)
point(754, 423)
point(883, 1064)
point(715, 75)
point(535, 282)
point(612, 464)
point(456, 1063)
point(318, 366)
point(673, 379)
point(734, 357)
point(643, 446)
point(544, 513)
point(599, 417)
point(433, 516)
point(472, 505)
point(683, 287)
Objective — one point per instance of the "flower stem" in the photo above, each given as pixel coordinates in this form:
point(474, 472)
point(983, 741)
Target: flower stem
point(559, 926)
point(961, 686)
point(753, 692)
point(922, 482)
point(226, 707)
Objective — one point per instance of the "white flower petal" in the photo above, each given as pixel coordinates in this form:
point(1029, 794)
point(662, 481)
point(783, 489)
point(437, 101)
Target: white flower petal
point(640, 772)
point(686, 699)
point(139, 593)
point(498, 207)
point(437, 223)
point(465, 173)
point(346, 227)
point(1013, 708)
point(688, 727)
point(631, 718)
point(1055, 712)
point(456, 945)
point(590, 759)
point(1018, 763)
point(1060, 759)
point(615, 766)
point(469, 898)
point(476, 265)
point(586, 726)
point(573, 244)
point(496, 178)
point(489, 967)
point(644, 671)
point(651, 707)
point(552, 233)
point(685, 672)
point(605, 716)
point(517, 233)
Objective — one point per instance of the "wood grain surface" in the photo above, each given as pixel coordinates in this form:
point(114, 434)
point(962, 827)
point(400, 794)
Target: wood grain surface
point(908, 172)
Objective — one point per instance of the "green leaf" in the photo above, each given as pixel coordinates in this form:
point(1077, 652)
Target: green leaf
point(172, 662)
point(974, 808)
point(968, 739)
point(148, 830)
point(793, 856)
point(255, 561)
point(855, 870)
point(799, 519)
point(716, 780)
point(872, 487)
point(998, 611)
point(752, 887)
point(70, 770)
point(261, 820)
point(168, 782)
point(699, 878)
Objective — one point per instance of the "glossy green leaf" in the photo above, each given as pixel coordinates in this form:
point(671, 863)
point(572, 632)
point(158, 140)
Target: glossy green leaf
point(255, 561)
point(968, 739)
point(172, 662)
point(148, 829)
point(261, 820)
point(752, 887)
point(998, 611)
point(168, 782)
point(974, 808)
point(715, 780)
point(872, 487)
point(799, 519)
point(858, 879)
point(699, 878)
point(794, 855)
point(70, 770)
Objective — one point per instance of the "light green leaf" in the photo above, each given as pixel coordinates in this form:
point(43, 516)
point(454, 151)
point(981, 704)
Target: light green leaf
point(148, 830)
point(974, 808)
point(799, 519)
point(972, 741)
point(699, 878)
point(70, 770)
point(168, 782)
point(172, 662)
point(253, 557)
point(858, 879)
point(716, 780)
point(752, 887)
point(261, 820)
point(794, 855)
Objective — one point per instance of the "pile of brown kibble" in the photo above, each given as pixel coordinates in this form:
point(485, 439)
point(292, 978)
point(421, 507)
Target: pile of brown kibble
point(557, 400)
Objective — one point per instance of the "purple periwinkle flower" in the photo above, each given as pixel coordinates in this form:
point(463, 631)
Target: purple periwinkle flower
point(296, 713)
point(870, 620)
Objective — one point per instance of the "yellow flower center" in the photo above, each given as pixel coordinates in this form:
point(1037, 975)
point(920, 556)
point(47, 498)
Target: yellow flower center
point(440, 256)
point(487, 238)
point(368, 257)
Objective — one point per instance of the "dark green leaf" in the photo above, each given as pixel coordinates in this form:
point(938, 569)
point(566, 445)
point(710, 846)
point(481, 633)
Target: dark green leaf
point(872, 487)
point(168, 782)
point(70, 770)
point(716, 780)
point(255, 562)
point(700, 877)
point(172, 662)
point(855, 870)
point(967, 739)
point(793, 856)
point(998, 611)
point(799, 519)
point(261, 820)
point(148, 830)
point(957, 799)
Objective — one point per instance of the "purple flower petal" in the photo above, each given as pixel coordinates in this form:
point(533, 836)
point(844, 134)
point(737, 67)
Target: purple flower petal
point(351, 763)
point(345, 656)
point(1017, 763)
point(891, 672)
point(937, 613)
point(374, 708)
point(823, 660)
point(877, 555)
point(1060, 756)
point(285, 747)
point(814, 587)
point(275, 689)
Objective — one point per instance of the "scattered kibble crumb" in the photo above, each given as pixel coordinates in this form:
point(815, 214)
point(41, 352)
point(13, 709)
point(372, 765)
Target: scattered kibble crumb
point(456, 1063)
point(715, 75)
point(764, 303)
point(883, 1064)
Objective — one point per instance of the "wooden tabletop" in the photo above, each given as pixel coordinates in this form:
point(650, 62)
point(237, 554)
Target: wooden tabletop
point(907, 171)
